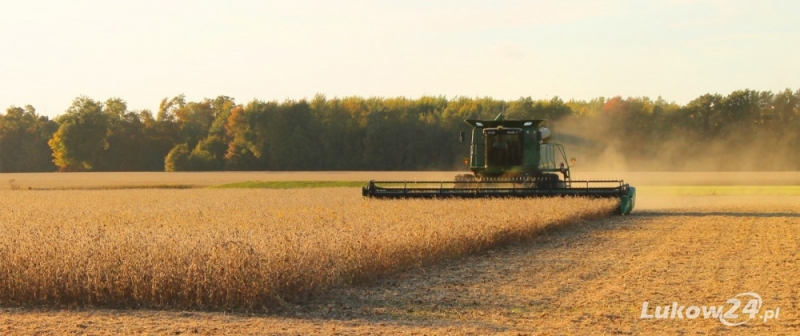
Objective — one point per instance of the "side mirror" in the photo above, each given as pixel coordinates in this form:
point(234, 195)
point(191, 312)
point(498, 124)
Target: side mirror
point(461, 136)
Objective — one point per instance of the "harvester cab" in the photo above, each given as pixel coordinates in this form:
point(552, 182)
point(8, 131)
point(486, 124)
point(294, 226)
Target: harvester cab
point(515, 149)
point(510, 158)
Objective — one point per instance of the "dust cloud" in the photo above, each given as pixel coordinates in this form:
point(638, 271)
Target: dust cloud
point(600, 145)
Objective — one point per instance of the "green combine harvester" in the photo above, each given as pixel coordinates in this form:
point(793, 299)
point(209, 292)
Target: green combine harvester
point(510, 158)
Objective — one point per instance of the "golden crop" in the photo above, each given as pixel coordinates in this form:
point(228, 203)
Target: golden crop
point(240, 249)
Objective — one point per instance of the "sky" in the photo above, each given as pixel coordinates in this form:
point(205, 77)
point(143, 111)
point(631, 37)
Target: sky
point(143, 51)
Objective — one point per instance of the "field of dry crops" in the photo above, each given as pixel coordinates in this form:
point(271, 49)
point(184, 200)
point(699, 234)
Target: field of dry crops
point(579, 279)
point(239, 249)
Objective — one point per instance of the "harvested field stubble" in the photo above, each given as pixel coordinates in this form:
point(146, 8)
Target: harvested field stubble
point(240, 249)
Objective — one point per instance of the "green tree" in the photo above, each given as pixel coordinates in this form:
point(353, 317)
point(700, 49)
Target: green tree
point(81, 137)
point(23, 141)
point(178, 159)
point(209, 154)
point(127, 145)
point(194, 121)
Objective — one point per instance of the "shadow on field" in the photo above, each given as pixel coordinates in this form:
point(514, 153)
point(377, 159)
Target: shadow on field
point(715, 213)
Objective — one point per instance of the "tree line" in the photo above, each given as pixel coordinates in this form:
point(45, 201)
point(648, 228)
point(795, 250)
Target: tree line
point(744, 130)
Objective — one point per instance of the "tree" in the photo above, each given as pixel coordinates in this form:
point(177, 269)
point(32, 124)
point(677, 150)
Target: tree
point(23, 141)
point(81, 137)
point(178, 159)
point(194, 121)
point(208, 155)
point(127, 148)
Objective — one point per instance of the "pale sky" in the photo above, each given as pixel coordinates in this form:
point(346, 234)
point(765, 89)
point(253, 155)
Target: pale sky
point(143, 51)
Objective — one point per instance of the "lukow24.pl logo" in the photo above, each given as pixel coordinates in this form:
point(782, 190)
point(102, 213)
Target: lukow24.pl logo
point(732, 313)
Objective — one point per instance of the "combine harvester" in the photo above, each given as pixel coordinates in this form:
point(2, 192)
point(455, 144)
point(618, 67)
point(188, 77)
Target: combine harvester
point(510, 158)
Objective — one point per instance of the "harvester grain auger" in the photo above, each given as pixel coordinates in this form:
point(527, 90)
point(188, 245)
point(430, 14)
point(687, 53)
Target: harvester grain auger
point(510, 158)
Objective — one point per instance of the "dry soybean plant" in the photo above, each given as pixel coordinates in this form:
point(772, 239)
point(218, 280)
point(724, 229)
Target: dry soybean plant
point(240, 249)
